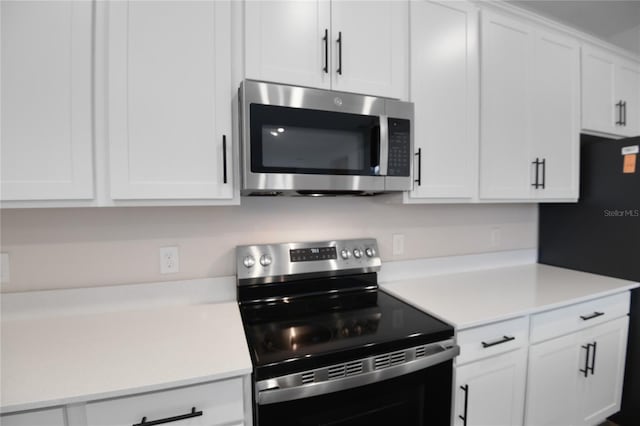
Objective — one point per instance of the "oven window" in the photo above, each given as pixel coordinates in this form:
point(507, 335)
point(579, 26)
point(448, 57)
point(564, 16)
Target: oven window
point(295, 140)
point(417, 399)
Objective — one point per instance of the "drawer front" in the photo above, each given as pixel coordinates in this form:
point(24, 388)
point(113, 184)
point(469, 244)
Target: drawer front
point(220, 402)
point(550, 324)
point(488, 340)
point(48, 417)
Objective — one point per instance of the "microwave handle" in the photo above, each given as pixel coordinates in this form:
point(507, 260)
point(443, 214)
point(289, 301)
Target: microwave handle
point(384, 145)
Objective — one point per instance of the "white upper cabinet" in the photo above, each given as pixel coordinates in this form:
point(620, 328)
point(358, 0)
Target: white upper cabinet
point(46, 105)
point(444, 89)
point(555, 116)
point(285, 42)
point(628, 91)
point(505, 105)
point(370, 47)
point(610, 93)
point(529, 141)
point(169, 100)
point(352, 46)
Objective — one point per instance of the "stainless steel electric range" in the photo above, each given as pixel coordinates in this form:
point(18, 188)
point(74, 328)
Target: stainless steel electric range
point(331, 348)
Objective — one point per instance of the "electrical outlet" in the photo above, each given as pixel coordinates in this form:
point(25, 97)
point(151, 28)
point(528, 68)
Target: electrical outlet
point(4, 268)
point(169, 260)
point(398, 244)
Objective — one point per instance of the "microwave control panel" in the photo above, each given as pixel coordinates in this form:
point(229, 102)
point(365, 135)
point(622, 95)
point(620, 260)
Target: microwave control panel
point(399, 147)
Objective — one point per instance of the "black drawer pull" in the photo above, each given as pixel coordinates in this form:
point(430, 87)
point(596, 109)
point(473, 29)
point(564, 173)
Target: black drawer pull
point(592, 316)
point(465, 388)
point(193, 413)
point(504, 339)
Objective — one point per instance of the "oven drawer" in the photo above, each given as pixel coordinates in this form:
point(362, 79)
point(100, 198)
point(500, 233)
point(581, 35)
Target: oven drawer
point(488, 340)
point(557, 322)
point(221, 403)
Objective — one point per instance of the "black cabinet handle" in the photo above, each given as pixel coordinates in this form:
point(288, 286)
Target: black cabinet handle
point(586, 361)
point(536, 164)
point(593, 358)
point(619, 107)
point(624, 114)
point(224, 158)
point(419, 155)
point(504, 339)
point(465, 388)
point(193, 413)
point(339, 41)
point(326, 51)
point(544, 172)
point(592, 316)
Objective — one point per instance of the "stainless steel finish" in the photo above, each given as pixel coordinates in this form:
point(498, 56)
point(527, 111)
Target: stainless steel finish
point(282, 267)
point(399, 109)
point(345, 254)
point(384, 145)
point(265, 260)
point(355, 373)
point(248, 261)
point(370, 252)
point(325, 100)
point(357, 253)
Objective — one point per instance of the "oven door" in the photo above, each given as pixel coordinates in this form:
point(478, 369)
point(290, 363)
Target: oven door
point(417, 399)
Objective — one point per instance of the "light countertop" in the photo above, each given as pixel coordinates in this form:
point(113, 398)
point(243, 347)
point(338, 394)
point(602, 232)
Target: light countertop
point(61, 360)
point(474, 298)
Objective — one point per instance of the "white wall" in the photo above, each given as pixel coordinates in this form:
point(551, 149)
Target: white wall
point(62, 248)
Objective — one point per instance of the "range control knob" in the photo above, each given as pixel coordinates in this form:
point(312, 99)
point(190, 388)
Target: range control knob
point(248, 261)
point(357, 253)
point(265, 260)
point(345, 254)
point(370, 252)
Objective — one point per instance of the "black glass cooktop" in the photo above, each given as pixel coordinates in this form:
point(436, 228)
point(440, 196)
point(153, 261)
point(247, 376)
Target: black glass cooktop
point(314, 331)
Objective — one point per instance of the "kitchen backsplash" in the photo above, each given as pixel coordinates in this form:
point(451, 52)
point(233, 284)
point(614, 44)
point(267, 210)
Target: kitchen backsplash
point(64, 248)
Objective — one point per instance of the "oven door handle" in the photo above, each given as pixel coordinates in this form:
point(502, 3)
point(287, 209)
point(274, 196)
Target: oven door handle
point(275, 395)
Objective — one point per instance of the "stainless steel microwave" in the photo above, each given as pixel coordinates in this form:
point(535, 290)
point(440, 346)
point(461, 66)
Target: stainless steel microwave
point(297, 140)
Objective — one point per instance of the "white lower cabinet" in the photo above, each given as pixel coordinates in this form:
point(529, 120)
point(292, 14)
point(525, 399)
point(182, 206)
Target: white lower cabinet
point(209, 404)
point(562, 367)
point(577, 379)
point(46, 417)
point(490, 392)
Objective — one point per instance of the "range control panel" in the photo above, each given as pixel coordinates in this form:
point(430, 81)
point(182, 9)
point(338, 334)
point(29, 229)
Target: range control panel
point(262, 262)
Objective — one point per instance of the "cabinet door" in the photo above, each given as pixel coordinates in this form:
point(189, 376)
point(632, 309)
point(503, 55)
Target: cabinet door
point(46, 135)
point(555, 115)
point(444, 89)
point(628, 90)
point(169, 100)
point(494, 391)
point(371, 56)
point(552, 381)
point(221, 404)
point(505, 161)
point(599, 111)
point(284, 42)
point(46, 417)
point(601, 392)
